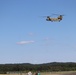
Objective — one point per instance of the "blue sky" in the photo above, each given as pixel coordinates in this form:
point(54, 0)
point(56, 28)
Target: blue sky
point(26, 37)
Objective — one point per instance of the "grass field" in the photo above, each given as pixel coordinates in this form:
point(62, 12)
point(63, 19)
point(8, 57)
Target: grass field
point(60, 73)
point(49, 73)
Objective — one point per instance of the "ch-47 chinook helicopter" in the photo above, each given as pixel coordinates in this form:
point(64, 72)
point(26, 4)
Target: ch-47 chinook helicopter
point(59, 18)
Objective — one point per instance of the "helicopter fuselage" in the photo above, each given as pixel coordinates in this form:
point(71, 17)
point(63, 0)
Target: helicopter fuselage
point(53, 19)
point(59, 18)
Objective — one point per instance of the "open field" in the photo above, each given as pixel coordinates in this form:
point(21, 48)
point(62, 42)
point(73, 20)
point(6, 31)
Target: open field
point(49, 73)
point(60, 73)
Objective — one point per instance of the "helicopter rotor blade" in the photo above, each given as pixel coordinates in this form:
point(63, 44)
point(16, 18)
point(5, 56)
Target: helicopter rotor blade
point(58, 14)
point(45, 16)
point(63, 15)
point(55, 14)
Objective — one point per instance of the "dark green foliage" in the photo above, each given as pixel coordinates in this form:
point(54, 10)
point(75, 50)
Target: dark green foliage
point(54, 66)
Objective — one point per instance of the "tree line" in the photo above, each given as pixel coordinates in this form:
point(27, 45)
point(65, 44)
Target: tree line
point(45, 67)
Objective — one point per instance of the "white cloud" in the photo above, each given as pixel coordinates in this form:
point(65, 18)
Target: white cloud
point(25, 42)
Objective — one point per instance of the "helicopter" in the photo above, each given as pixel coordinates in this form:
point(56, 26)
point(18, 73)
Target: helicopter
point(59, 18)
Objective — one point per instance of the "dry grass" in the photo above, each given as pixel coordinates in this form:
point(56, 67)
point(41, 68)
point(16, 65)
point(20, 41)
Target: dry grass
point(60, 73)
point(50, 73)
